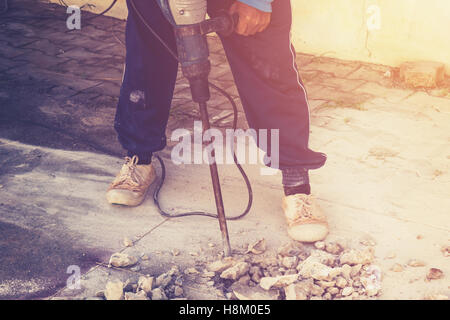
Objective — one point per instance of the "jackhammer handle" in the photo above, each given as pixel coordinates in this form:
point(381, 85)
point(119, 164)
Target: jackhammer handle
point(226, 23)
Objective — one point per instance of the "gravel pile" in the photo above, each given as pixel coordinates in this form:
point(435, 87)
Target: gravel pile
point(325, 271)
point(329, 271)
point(166, 286)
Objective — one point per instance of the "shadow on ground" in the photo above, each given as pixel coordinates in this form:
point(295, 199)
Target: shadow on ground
point(34, 265)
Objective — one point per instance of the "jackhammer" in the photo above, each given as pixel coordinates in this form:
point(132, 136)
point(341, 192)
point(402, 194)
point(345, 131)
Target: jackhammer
point(188, 18)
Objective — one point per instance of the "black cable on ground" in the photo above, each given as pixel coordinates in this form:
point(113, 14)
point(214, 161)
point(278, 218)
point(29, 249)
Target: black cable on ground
point(202, 213)
point(104, 11)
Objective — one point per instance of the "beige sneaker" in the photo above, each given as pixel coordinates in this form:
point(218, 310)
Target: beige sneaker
point(131, 184)
point(306, 221)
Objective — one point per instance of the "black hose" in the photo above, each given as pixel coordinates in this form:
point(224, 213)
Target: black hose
point(104, 11)
point(202, 213)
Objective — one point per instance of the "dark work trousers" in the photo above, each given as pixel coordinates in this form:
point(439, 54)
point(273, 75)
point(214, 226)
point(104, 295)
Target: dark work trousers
point(264, 69)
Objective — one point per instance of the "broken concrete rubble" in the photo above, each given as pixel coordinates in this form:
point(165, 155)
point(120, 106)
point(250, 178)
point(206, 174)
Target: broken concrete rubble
point(416, 263)
point(221, 265)
point(257, 247)
point(354, 257)
point(435, 274)
point(141, 295)
point(299, 273)
point(145, 283)
point(122, 260)
point(127, 242)
point(242, 292)
point(295, 292)
point(291, 249)
point(292, 272)
point(268, 283)
point(158, 294)
point(334, 248)
point(236, 271)
point(114, 290)
point(310, 268)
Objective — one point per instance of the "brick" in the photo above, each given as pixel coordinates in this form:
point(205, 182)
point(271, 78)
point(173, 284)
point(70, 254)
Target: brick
point(312, 76)
point(60, 38)
point(6, 64)
point(422, 74)
point(339, 97)
point(390, 94)
point(109, 88)
point(110, 74)
point(335, 67)
point(14, 39)
point(68, 80)
point(18, 27)
point(380, 74)
point(94, 33)
point(341, 84)
point(313, 104)
point(113, 48)
point(61, 92)
point(303, 59)
point(82, 54)
point(116, 62)
point(46, 47)
point(78, 68)
point(8, 51)
point(40, 60)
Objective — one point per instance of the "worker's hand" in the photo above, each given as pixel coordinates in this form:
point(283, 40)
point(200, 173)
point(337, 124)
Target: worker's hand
point(251, 20)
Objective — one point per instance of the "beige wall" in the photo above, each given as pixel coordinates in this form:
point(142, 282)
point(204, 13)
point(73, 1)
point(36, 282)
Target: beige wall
point(409, 29)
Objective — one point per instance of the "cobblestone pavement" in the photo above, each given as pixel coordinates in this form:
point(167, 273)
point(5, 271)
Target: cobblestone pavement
point(388, 173)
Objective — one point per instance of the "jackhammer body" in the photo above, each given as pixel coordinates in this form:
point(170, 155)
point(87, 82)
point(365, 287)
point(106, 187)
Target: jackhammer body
point(188, 18)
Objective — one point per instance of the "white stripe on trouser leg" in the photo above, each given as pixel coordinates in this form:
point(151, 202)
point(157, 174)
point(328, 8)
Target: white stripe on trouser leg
point(123, 72)
point(298, 80)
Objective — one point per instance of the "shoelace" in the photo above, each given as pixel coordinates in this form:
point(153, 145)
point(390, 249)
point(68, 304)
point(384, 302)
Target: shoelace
point(304, 206)
point(128, 174)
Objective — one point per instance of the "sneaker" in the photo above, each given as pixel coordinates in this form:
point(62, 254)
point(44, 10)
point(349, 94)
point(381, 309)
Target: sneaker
point(306, 221)
point(131, 184)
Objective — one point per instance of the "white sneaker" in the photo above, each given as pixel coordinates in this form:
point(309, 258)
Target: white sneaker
point(131, 184)
point(306, 221)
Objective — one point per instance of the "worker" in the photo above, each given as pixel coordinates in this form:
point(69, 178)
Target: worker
point(262, 60)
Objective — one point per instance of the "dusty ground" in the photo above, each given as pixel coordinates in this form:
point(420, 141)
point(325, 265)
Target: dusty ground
point(386, 181)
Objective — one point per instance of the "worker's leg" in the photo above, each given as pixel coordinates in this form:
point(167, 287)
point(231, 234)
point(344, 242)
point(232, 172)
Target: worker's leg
point(148, 83)
point(270, 88)
point(144, 103)
point(274, 97)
